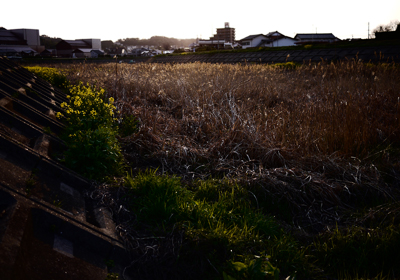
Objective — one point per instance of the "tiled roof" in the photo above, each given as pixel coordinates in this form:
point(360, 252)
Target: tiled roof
point(308, 36)
point(77, 43)
point(251, 37)
point(19, 49)
point(97, 51)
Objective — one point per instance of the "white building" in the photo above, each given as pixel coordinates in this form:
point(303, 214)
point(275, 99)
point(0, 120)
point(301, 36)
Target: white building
point(253, 41)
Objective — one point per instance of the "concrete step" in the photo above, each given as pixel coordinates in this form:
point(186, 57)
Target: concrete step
point(49, 227)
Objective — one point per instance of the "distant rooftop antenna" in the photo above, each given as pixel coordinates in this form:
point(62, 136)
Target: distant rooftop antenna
point(226, 24)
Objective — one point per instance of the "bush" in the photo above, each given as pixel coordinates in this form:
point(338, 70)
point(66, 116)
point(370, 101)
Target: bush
point(91, 132)
point(52, 75)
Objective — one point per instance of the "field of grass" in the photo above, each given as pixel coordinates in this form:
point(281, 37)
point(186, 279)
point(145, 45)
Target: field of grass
point(258, 171)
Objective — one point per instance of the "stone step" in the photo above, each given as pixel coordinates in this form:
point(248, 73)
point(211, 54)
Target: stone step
point(49, 227)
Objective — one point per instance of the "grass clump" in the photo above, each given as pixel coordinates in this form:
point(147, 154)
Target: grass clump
point(219, 227)
point(360, 251)
point(54, 76)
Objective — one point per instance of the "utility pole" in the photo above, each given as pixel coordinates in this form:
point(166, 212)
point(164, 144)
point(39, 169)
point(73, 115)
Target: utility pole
point(368, 30)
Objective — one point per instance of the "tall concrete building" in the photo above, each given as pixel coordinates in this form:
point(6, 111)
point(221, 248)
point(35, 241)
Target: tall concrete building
point(25, 42)
point(227, 34)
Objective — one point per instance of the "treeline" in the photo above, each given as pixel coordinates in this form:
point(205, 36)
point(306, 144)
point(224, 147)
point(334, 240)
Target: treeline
point(159, 41)
point(49, 42)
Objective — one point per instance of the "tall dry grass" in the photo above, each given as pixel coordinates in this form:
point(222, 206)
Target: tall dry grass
point(309, 135)
point(245, 111)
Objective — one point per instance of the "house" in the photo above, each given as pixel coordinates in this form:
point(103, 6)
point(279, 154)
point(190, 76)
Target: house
point(388, 35)
point(252, 41)
point(48, 53)
point(217, 44)
point(277, 39)
point(272, 39)
point(308, 38)
point(118, 51)
point(138, 51)
point(20, 42)
point(66, 48)
point(81, 53)
point(96, 53)
point(274, 35)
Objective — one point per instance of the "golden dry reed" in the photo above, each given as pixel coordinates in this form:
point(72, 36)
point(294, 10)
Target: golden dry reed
point(244, 111)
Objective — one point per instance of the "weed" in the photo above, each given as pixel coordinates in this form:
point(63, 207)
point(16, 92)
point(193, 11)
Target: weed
point(112, 275)
point(15, 94)
point(52, 75)
point(218, 222)
point(109, 263)
point(257, 268)
point(360, 251)
point(47, 130)
point(91, 133)
point(57, 202)
point(31, 182)
point(128, 125)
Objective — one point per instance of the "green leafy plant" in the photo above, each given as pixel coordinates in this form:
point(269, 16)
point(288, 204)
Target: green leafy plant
point(54, 76)
point(109, 263)
point(47, 130)
point(128, 125)
point(57, 202)
point(91, 132)
point(359, 251)
point(257, 268)
point(112, 276)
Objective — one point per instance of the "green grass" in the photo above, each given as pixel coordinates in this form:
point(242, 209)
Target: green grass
point(222, 225)
point(219, 226)
point(360, 252)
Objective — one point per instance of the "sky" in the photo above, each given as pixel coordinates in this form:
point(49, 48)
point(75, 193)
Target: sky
point(77, 19)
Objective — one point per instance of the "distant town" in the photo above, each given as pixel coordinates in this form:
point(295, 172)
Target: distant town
point(29, 42)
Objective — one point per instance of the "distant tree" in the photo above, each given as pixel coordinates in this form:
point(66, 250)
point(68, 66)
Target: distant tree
point(49, 42)
point(107, 44)
point(156, 41)
point(205, 48)
point(386, 28)
point(129, 41)
point(166, 46)
point(179, 50)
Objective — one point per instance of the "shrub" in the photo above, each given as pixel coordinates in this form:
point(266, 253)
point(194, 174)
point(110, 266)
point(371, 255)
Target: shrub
point(128, 125)
point(54, 76)
point(94, 153)
point(91, 132)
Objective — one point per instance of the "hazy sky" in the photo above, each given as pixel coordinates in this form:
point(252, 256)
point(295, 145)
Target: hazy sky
point(112, 20)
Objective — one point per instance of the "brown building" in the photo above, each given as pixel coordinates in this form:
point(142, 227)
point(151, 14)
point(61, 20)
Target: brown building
point(66, 48)
point(227, 34)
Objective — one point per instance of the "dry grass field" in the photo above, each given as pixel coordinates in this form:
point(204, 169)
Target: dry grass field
point(317, 145)
point(327, 127)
